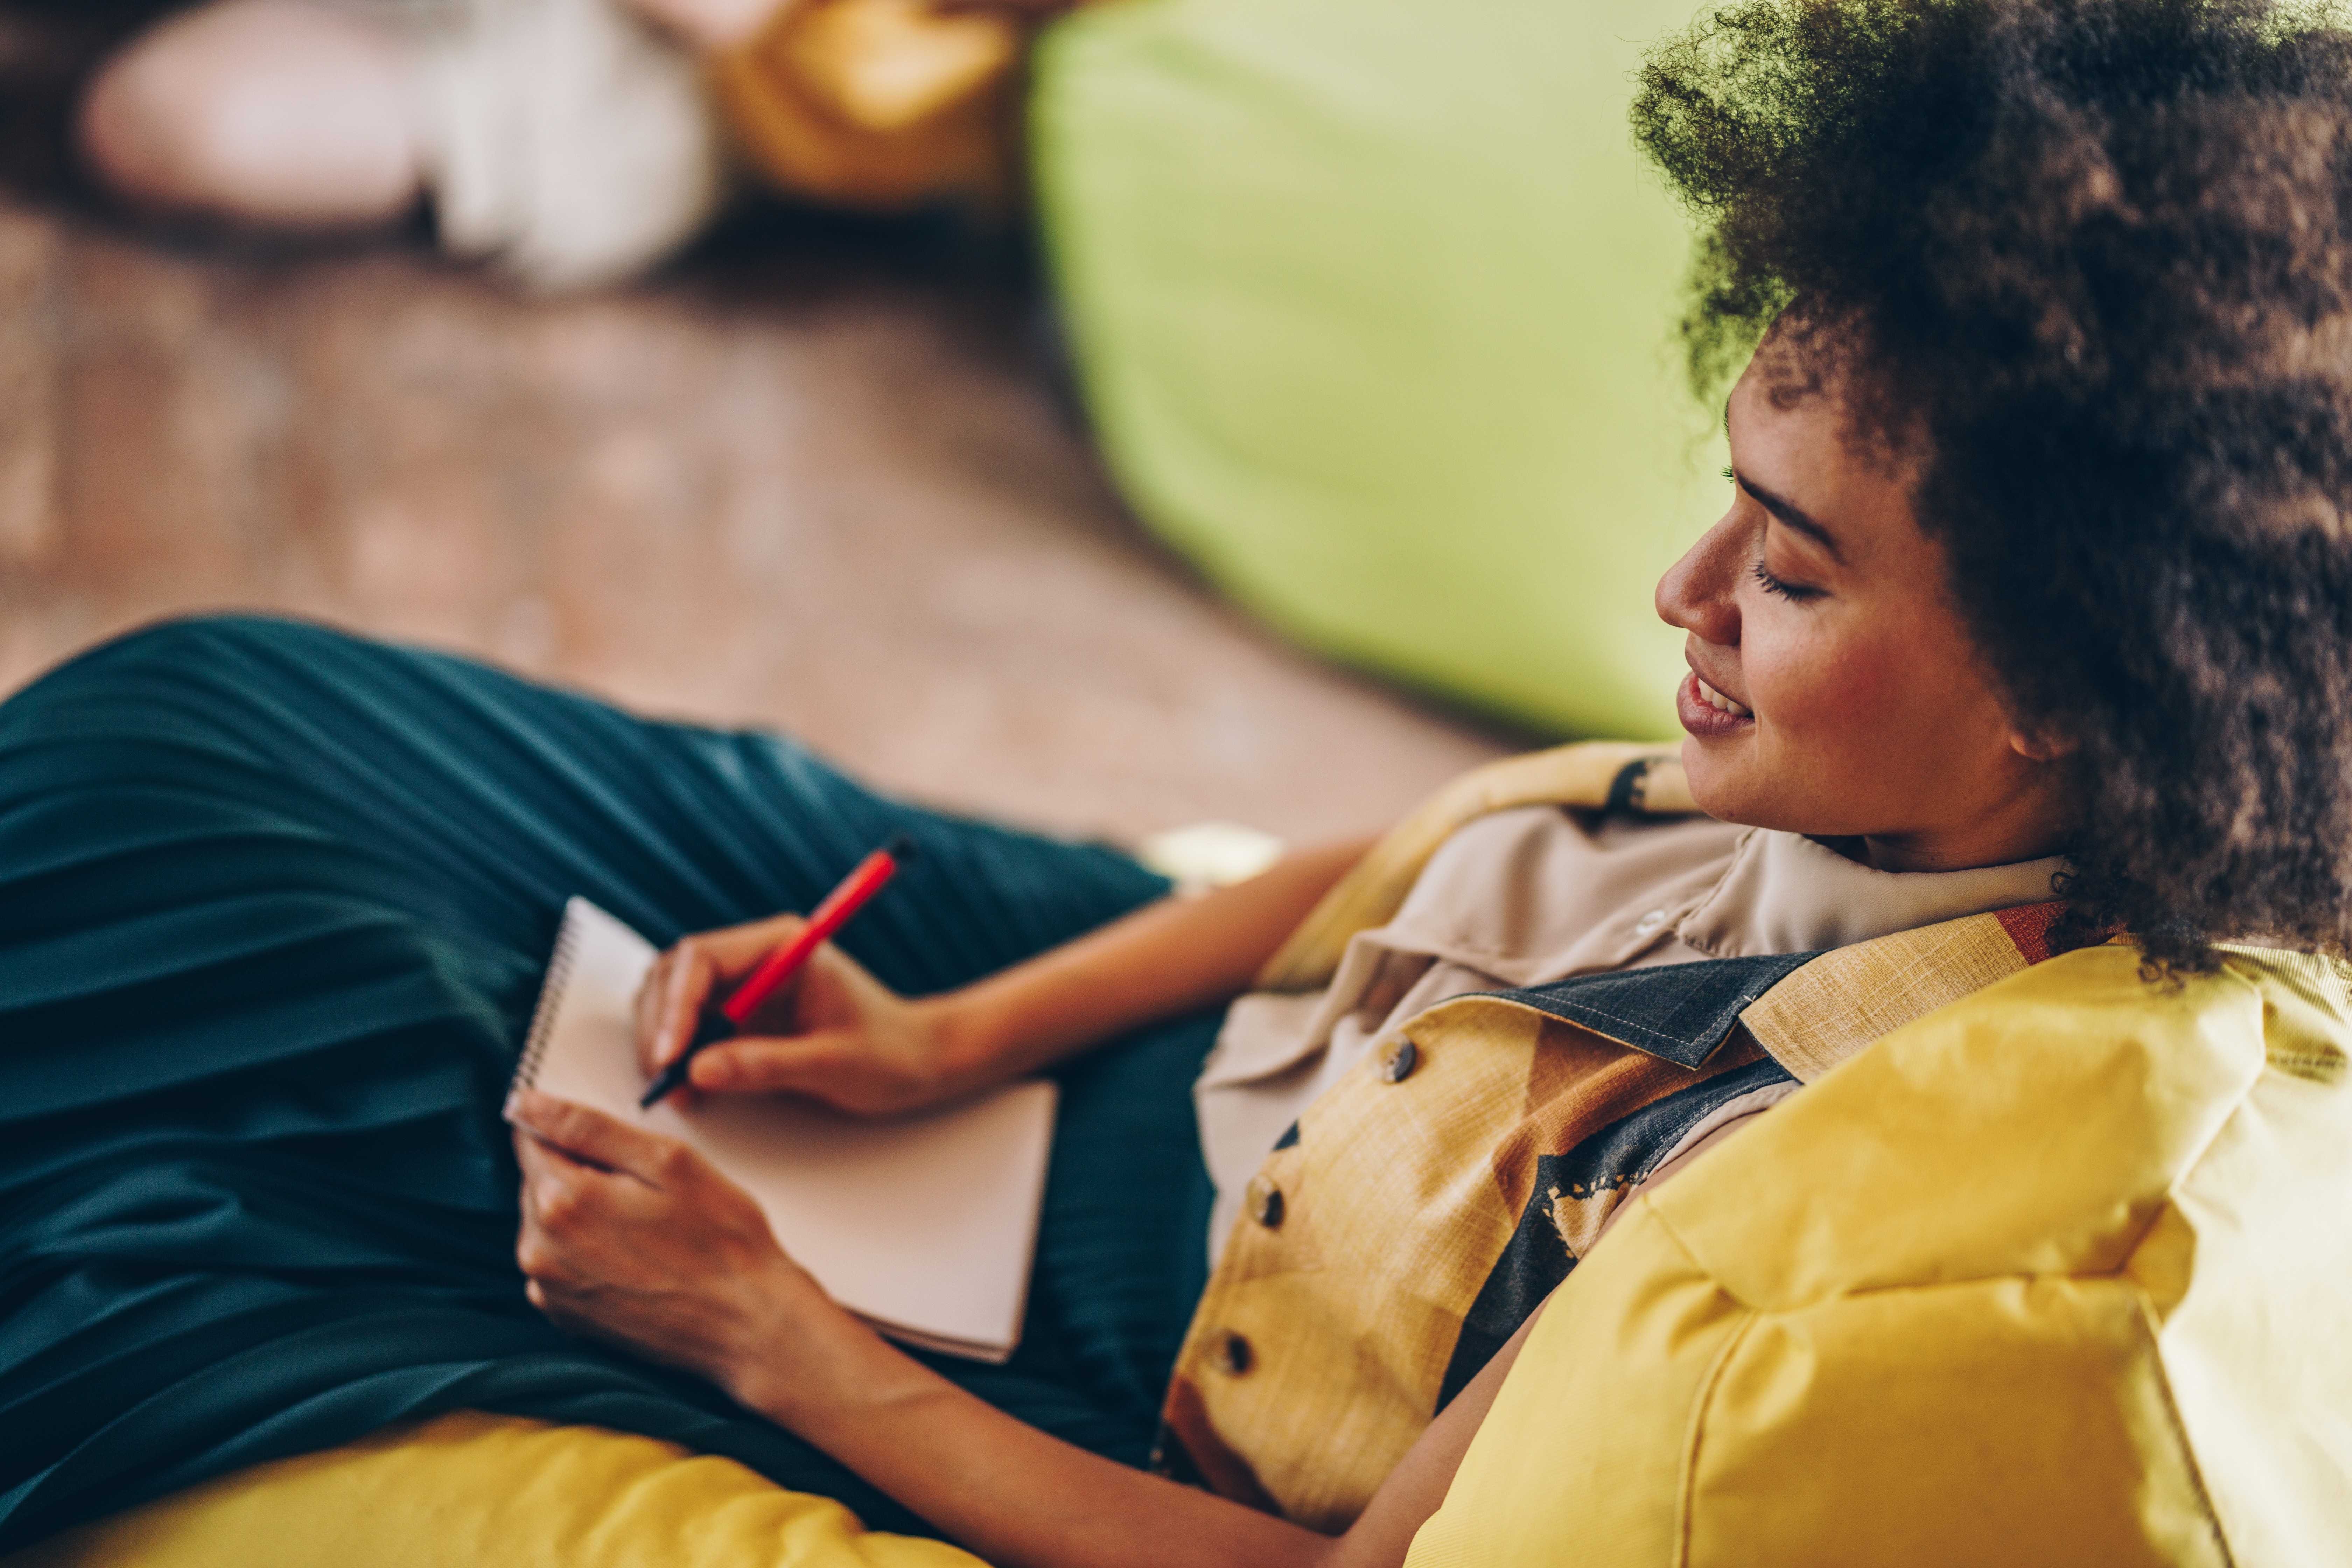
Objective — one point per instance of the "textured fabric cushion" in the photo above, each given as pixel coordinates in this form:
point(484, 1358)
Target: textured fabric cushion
point(468, 1490)
point(1372, 306)
point(2057, 1275)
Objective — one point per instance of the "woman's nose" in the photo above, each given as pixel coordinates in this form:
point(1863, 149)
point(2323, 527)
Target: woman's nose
point(1699, 592)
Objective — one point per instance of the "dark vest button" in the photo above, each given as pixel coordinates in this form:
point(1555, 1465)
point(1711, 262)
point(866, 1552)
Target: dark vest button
point(1237, 1354)
point(1398, 1064)
point(1264, 1200)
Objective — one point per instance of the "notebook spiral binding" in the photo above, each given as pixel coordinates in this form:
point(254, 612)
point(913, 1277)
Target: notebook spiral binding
point(550, 995)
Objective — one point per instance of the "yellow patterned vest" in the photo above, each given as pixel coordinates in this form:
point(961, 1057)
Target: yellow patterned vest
point(1430, 1201)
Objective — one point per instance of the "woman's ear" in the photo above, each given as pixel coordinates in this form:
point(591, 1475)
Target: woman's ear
point(2041, 745)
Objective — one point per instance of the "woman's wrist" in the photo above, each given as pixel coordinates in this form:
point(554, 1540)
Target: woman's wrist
point(1017, 1021)
point(968, 1039)
point(1168, 957)
point(811, 1362)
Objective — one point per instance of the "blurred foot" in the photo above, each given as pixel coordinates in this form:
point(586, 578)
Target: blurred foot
point(264, 112)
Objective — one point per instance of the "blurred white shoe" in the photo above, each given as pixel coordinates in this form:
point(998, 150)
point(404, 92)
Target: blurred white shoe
point(566, 140)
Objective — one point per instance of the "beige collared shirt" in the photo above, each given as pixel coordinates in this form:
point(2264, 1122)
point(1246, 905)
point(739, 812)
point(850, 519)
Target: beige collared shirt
point(1536, 894)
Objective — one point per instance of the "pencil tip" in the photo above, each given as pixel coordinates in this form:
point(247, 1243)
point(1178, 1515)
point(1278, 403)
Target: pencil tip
point(900, 849)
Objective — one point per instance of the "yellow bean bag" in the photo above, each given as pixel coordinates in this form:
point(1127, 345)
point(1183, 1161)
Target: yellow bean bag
point(2060, 1274)
point(472, 1490)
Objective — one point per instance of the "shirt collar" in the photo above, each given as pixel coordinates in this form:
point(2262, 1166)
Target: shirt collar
point(1784, 893)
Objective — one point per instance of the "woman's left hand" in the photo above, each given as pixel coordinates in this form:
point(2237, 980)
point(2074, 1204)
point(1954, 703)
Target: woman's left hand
point(634, 1237)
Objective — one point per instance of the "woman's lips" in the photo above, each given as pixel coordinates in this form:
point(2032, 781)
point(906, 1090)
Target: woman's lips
point(1707, 712)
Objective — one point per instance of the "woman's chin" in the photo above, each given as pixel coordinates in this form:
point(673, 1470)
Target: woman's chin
point(1717, 764)
point(1715, 790)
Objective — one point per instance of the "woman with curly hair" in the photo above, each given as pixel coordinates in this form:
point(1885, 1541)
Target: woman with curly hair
point(1949, 1048)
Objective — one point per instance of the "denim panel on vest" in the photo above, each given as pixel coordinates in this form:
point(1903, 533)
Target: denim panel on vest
point(1681, 1012)
point(1599, 1170)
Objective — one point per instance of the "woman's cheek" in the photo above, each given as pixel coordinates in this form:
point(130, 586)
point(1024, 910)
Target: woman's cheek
point(1782, 659)
point(1838, 697)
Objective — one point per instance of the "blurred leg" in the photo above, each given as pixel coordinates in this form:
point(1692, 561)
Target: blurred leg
point(266, 111)
point(274, 906)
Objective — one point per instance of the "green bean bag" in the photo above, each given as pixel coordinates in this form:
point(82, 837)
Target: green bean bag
point(1372, 303)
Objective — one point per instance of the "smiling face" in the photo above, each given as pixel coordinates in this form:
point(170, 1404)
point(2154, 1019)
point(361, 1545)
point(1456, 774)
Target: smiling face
point(1834, 691)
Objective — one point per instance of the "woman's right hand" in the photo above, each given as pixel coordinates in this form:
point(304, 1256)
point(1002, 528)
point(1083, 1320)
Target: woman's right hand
point(832, 1033)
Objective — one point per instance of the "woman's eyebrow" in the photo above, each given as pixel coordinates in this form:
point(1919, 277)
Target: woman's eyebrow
point(1787, 512)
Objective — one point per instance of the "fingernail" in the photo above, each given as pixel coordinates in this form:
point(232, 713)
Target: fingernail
point(514, 1103)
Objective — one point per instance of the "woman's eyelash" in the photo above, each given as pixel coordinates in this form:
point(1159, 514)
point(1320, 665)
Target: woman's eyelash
point(1792, 591)
point(1729, 475)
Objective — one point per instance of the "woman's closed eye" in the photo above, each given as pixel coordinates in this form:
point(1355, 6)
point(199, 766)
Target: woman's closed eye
point(1797, 592)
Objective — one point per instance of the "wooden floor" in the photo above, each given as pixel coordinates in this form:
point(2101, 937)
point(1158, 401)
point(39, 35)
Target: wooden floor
point(811, 480)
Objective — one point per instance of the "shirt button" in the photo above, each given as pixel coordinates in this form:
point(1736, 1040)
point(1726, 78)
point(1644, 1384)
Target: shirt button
point(1649, 922)
point(1265, 1202)
point(1235, 1355)
point(1398, 1064)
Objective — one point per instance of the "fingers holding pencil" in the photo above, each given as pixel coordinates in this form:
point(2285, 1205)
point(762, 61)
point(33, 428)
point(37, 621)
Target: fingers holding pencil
point(840, 1036)
point(684, 1021)
point(692, 977)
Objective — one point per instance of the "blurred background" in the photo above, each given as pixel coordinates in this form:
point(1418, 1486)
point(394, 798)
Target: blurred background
point(1110, 418)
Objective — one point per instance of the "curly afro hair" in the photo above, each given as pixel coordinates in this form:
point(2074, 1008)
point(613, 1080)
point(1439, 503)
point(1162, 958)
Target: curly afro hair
point(2092, 260)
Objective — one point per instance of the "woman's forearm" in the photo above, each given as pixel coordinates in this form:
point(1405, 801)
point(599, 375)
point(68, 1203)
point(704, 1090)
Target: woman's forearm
point(1013, 1495)
point(1165, 960)
point(1024, 1499)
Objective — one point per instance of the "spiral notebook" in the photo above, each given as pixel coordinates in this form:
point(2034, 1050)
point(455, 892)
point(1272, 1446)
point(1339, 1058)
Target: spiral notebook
point(925, 1226)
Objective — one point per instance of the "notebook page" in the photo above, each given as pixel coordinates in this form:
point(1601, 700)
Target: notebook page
point(924, 1225)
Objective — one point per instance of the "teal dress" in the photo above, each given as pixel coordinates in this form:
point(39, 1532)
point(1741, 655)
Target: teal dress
point(274, 905)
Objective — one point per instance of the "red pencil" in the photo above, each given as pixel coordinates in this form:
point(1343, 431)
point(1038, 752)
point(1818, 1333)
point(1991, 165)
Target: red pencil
point(787, 960)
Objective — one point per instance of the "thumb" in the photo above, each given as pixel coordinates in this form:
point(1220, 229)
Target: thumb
point(768, 1066)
